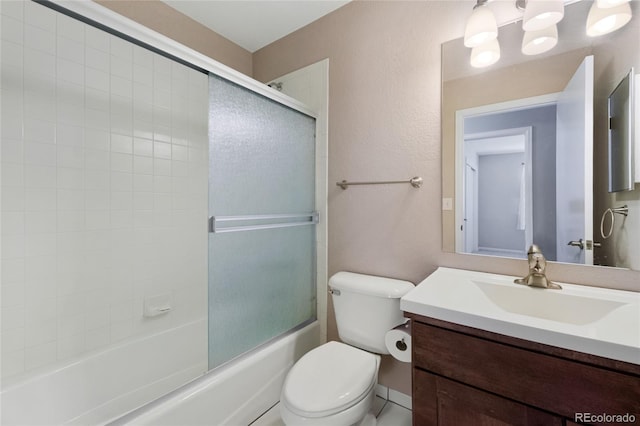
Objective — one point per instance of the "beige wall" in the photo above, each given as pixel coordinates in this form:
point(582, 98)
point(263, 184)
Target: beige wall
point(167, 21)
point(384, 123)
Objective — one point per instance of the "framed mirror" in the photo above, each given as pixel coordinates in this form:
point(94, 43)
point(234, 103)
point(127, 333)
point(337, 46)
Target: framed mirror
point(550, 187)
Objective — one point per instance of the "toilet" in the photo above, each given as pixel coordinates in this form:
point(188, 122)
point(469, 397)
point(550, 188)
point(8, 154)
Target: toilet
point(334, 384)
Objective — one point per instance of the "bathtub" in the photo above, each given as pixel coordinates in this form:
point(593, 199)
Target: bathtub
point(236, 394)
point(99, 388)
point(101, 385)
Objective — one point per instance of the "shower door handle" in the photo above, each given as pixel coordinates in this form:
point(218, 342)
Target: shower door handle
point(275, 221)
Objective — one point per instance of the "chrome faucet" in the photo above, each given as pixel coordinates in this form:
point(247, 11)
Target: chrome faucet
point(537, 267)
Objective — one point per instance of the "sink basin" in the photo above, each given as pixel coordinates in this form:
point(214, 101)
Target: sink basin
point(592, 320)
point(553, 305)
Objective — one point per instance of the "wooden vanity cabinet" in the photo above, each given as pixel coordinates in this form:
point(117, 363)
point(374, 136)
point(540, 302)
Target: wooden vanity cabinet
point(439, 401)
point(467, 376)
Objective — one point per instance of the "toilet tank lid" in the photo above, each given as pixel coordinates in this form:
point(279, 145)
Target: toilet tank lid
point(370, 285)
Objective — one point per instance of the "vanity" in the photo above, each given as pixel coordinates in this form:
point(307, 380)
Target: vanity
point(488, 351)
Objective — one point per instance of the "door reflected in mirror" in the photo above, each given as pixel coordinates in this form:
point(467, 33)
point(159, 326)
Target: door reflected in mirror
point(525, 147)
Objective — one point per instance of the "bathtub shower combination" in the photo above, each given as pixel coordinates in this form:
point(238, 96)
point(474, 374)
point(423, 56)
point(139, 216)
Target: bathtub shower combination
point(158, 227)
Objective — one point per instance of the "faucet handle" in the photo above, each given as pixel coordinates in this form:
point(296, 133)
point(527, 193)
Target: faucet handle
point(537, 266)
point(537, 262)
point(534, 249)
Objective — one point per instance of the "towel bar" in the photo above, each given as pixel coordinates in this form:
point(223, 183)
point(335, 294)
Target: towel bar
point(416, 182)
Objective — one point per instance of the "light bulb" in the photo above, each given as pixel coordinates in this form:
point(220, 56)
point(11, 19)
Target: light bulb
point(536, 42)
point(486, 54)
point(544, 15)
point(605, 25)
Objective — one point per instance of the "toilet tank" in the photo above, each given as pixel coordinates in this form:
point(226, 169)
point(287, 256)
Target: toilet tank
point(366, 307)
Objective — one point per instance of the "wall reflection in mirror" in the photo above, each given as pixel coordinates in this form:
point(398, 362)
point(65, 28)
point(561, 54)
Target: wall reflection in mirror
point(526, 145)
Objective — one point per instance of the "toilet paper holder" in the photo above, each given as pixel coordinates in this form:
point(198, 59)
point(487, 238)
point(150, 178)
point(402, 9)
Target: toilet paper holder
point(401, 345)
point(398, 342)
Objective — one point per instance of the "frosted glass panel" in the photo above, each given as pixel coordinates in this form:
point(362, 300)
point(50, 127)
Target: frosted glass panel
point(261, 156)
point(261, 281)
point(262, 285)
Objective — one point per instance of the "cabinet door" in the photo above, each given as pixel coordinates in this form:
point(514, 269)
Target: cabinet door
point(457, 404)
point(425, 398)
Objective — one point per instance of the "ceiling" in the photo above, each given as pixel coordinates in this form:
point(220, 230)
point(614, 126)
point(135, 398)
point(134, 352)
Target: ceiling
point(254, 24)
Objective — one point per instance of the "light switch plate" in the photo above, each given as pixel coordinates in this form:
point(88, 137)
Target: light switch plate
point(447, 204)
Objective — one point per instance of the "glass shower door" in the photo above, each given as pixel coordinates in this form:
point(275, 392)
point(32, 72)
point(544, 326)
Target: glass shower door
point(261, 208)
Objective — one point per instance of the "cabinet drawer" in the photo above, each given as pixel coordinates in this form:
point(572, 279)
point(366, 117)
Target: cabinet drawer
point(554, 384)
point(442, 402)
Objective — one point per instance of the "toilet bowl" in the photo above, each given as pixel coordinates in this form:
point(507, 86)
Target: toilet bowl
point(332, 385)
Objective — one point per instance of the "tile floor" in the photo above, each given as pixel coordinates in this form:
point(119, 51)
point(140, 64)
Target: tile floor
point(391, 415)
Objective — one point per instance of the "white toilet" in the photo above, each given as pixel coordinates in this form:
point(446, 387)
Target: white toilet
point(334, 384)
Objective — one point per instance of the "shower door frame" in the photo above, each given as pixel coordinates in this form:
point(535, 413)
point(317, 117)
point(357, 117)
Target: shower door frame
point(92, 13)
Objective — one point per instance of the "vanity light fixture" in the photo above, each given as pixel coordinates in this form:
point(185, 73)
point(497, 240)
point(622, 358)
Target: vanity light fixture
point(539, 24)
point(486, 54)
point(541, 14)
point(603, 20)
point(481, 26)
point(540, 41)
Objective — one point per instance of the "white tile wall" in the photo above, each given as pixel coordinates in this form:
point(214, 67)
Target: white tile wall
point(104, 188)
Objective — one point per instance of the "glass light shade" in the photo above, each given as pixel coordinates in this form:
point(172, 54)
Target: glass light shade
point(604, 4)
point(536, 42)
point(481, 27)
point(486, 54)
point(605, 20)
point(541, 14)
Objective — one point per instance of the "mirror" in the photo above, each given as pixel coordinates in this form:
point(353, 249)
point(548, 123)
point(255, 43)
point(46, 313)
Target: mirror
point(621, 133)
point(504, 135)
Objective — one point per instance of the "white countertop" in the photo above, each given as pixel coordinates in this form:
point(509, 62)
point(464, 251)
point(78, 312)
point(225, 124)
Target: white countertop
point(592, 320)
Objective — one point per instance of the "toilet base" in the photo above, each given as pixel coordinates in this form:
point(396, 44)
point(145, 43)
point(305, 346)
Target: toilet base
point(357, 415)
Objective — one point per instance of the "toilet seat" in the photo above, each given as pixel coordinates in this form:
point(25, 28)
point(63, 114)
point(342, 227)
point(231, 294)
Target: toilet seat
point(329, 379)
